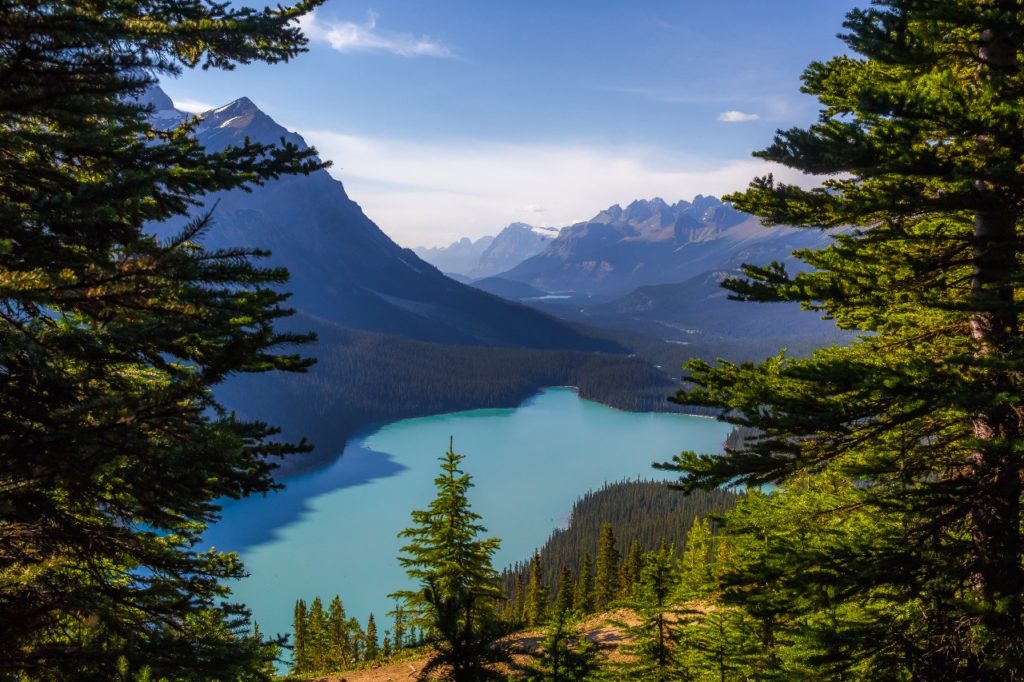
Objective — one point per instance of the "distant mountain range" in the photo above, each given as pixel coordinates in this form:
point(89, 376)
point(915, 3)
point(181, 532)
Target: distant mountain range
point(344, 269)
point(655, 269)
point(652, 242)
point(489, 256)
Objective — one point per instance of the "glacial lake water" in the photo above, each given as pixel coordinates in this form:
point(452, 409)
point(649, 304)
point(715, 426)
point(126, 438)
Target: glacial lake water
point(334, 530)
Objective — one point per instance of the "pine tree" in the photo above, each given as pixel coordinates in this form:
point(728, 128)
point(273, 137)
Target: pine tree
point(564, 596)
point(399, 629)
point(564, 655)
point(268, 670)
point(536, 594)
point(385, 648)
point(583, 595)
point(606, 575)
point(629, 572)
point(458, 584)
point(114, 447)
point(338, 640)
point(652, 651)
point(356, 640)
point(695, 566)
point(919, 135)
point(300, 655)
point(518, 601)
point(371, 649)
point(317, 638)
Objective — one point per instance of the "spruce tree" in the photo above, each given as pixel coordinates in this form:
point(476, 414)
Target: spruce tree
point(695, 566)
point(564, 596)
point(536, 594)
point(114, 450)
point(458, 591)
point(399, 629)
point(372, 647)
point(515, 607)
point(583, 595)
point(606, 575)
point(338, 640)
point(652, 651)
point(563, 654)
point(300, 655)
point(629, 572)
point(317, 637)
point(919, 137)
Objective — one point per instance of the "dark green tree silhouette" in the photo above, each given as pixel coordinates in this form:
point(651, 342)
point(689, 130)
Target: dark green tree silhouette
point(583, 595)
point(629, 572)
point(564, 596)
point(300, 654)
point(338, 636)
point(536, 594)
point(399, 629)
point(455, 602)
point(371, 650)
point(114, 450)
point(606, 575)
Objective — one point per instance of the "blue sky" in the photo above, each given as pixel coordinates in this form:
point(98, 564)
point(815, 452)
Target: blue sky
point(447, 119)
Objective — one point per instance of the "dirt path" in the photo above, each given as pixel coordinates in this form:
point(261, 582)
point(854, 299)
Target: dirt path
point(597, 629)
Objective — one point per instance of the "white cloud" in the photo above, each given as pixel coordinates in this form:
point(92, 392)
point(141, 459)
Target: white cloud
point(348, 36)
point(737, 117)
point(433, 193)
point(193, 106)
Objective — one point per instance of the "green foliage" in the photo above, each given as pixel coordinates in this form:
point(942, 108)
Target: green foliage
point(536, 594)
point(564, 655)
point(629, 571)
point(564, 597)
point(372, 647)
point(583, 594)
point(328, 641)
point(458, 585)
point(606, 573)
point(915, 570)
point(113, 450)
point(652, 650)
point(696, 578)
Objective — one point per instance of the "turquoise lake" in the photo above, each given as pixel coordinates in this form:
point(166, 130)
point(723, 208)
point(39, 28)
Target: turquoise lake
point(334, 530)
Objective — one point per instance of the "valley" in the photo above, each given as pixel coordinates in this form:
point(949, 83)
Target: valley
point(584, 305)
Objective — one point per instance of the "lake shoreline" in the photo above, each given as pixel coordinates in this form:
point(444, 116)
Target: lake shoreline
point(299, 465)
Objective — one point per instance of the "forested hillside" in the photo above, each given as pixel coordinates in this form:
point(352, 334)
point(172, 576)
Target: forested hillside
point(648, 512)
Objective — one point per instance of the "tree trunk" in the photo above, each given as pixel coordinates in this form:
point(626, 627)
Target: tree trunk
point(995, 470)
point(996, 514)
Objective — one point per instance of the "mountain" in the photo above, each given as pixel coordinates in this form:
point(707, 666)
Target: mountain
point(653, 242)
point(512, 246)
point(488, 256)
point(344, 269)
point(459, 257)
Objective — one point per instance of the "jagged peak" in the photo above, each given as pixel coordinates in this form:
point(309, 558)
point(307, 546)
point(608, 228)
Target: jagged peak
point(240, 107)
